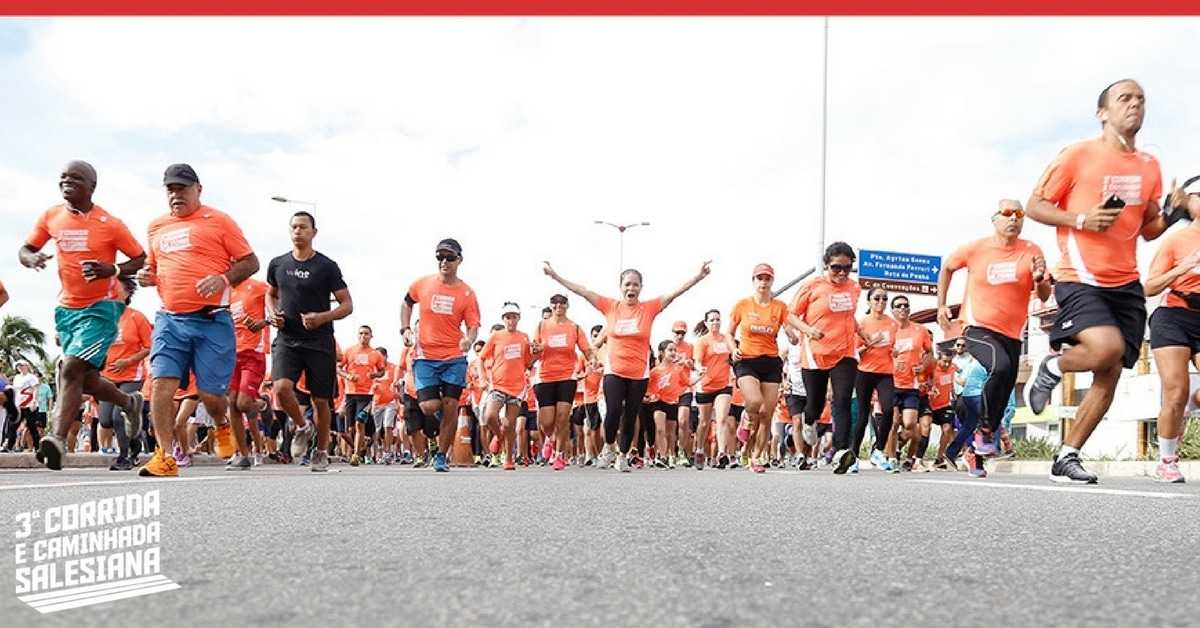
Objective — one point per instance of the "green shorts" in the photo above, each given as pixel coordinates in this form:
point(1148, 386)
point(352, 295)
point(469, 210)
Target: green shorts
point(87, 333)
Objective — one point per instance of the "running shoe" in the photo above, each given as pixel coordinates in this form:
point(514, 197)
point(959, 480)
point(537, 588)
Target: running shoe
point(809, 434)
point(494, 445)
point(1168, 471)
point(978, 473)
point(122, 464)
point(906, 466)
point(223, 437)
point(406, 458)
point(51, 451)
point(320, 462)
point(623, 464)
point(757, 466)
point(239, 463)
point(607, 457)
point(843, 460)
point(699, 463)
point(301, 440)
point(160, 465)
point(1069, 468)
point(1043, 384)
point(354, 460)
point(671, 462)
point(133, 418)
point(968, 459)
point(940, 464)
point(878, 459)
point(439, 463)
point(509, 465)
point(258, 459)
point(985, 443)
point(919, 466)
point(722, 460)
point(559, 464)
point(547, 449)
point(182, 459)
point(951, 465)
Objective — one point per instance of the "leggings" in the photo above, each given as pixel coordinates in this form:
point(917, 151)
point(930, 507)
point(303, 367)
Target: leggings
point(864, 384)
point(967, 423)
point(817, 383)
point(624, 401)
point(111, 418)
point(1000, 356)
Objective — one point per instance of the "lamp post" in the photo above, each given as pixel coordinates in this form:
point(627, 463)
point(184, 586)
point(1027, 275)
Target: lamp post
point(621, 229)
point(283, 199)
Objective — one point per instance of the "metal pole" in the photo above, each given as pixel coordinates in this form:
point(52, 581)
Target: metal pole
point(824, 144)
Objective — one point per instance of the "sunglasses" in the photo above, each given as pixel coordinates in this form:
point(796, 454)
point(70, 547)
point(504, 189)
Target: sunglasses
point(447, 257)
point(879, 299)
point(960, 346)
point(558, 301)
point(1008, 213)
point(679, 331)
point(839, 268)
point(900, 306)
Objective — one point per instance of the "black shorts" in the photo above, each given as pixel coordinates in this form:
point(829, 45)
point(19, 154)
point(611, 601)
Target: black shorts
point(1081, 306)
point(358, 408)
point(315, 361)
point(906, 399)
point(736, 412)
point(587, 414)
point(767, 369)
point(685, 400)
point(550, 393)
point(1175, 327)
point(414, 419)
point(945, 416)
point(823, 428)
point(795, 405)
point(708, 397)
point(923, 409)
point(671, 409)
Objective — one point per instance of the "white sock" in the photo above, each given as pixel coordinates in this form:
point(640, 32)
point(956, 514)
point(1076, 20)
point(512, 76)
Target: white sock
point(1052, 366)
point(1167, 447)
point(1066, 450)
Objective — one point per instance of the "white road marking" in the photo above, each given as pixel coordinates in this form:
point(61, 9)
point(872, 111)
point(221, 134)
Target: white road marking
point(1060, 488)
point(139, 480)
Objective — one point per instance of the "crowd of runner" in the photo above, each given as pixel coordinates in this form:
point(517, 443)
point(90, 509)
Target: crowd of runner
point(763, 384)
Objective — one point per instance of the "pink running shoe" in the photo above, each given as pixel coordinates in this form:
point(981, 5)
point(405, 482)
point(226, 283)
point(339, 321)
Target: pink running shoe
point(558, 464)
point(1168, 471)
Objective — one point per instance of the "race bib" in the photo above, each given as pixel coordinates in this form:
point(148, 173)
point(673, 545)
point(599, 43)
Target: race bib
point(441, 304)
point(556, 341)
point(840, 302)
point(1001, 273)
point(512, 352)
point(626, 327)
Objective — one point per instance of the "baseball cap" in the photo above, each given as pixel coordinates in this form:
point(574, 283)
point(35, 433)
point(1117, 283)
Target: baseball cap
point(510, 308)
point(22, 362)
point(763, 269)
point(181, 174)
point(449, 244)
point(679, 326)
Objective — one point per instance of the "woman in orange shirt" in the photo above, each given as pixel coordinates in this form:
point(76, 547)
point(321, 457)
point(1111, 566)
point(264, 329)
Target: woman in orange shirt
point(627, 365)
point(875, 369)
point(713, 356)
point(669, 379)
point(562, 342)
point(825, 308)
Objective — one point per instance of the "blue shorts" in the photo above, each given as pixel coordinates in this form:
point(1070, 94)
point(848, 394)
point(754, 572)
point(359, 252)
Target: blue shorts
point(87, 332)
point(434, 373)
point(202, 343)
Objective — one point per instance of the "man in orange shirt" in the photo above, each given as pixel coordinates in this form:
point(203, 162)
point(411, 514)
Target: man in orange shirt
point(1003, 270)
point(1100, 195)
point(248, 308)
point(87, 239)
point(446, 305)
point(196, 254)
point(125, 370)
point(383, 406)
point(361, 366)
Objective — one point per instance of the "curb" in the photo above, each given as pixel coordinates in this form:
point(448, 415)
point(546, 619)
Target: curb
point(89, 460)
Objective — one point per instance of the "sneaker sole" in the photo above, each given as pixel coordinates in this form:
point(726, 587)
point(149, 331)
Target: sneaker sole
point(50, 455)
point(1062, 479)
point(1166, 481)
point(848, 459)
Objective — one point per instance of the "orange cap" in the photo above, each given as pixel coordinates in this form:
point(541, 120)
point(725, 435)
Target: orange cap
point(679, 326)
point(763, 269)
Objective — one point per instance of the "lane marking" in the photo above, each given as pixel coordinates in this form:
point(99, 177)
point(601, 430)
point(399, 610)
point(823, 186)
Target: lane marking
point(1061, 489)
point(139, 480)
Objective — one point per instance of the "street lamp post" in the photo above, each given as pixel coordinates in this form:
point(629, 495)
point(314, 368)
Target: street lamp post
point(621, 229)
point(284, 199)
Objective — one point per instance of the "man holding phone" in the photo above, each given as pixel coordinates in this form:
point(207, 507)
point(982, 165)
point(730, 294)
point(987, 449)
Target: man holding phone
point(1100, 196)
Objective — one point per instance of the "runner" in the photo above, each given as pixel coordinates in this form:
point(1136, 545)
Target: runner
point(125, 370)
point(384, 407)
point(302, 282)
point(684, 352)
point(875, 376)
point(713, 353)
point(252, 328)
point(562, 341)
point(447, 304)
point(87, 239)
point(361, 365)
point(1100, 195)
point(912, 354)
point(668, 379)
point(196, 254)
point(510, 354)
point(628, 324)
point(1175, 328)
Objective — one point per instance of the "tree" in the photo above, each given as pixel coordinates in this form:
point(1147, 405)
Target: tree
point(19, 339)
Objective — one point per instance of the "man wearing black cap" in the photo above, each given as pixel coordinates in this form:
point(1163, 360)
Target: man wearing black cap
point(440, 367)
point(87, 239)
point(196, 254)
point(302, 281)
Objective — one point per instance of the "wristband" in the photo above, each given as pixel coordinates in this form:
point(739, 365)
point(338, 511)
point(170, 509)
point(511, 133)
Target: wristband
point(116, 270)
point(224, 278)
point(1079, 220)
point(404, 329)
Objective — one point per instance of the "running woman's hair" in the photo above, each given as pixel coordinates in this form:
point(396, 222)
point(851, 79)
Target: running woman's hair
point(702, 327)
point(839, 248)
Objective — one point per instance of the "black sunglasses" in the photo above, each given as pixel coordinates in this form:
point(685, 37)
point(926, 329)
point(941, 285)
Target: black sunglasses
point(447, 257)
point(879, 299)
point(558, 301)
point(839, 268)
point(900, 305)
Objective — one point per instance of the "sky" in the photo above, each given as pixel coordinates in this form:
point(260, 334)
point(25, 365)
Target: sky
point(515, 135)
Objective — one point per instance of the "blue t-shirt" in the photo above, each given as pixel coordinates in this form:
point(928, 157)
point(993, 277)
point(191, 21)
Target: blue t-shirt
point(974, 375)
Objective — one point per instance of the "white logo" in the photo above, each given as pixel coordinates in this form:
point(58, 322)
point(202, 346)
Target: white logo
point(89, 553)
point(1067, 324)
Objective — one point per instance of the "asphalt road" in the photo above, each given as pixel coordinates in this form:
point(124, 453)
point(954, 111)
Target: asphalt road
point(392, 546)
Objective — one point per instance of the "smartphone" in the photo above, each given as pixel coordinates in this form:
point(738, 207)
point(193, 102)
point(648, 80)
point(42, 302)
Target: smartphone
point(1114, 202)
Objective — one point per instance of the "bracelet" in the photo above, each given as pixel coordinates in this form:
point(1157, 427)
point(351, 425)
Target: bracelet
point(116, 270)
point(224, 278)
point(1079, 220)
point(405, 328)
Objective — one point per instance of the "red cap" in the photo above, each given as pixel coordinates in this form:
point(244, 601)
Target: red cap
point(763, 269)
point(679, 326)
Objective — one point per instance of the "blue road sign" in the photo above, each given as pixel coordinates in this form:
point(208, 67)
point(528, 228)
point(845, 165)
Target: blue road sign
point(896, 266)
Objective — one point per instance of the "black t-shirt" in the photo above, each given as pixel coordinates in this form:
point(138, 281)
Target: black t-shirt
point(306, 286)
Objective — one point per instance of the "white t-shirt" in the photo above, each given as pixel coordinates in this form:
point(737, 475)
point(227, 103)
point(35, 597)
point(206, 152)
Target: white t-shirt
point(26, 387)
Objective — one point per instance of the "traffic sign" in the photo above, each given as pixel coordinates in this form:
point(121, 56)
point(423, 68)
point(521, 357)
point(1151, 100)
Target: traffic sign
point(899, 267)
point(898, 286)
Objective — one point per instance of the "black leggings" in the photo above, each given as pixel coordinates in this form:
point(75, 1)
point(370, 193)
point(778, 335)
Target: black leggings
point(1000, 356)
point(623, 398)
point(817, 383)
point(864, 384)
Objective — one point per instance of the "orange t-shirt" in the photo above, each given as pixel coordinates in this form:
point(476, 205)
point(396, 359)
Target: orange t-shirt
point(912, 344)
point(404, 371)
point(382, 392)
point(1173, 249)
point(561, 343)
point(184, 250)
point(830, 308)
point(668, 382)
point(943, 386)
point(712, 355)
point(531, 404)
point(589, 392)
point(1081, 177)
point(443, 310)
point(361, 361)
point(628, 330)
point(738, 398)
point(94, 235)
point(999, 282)
point(249, 299)
point(878, 357)
point(509, 354)
point(133, 335)
point(758, 326)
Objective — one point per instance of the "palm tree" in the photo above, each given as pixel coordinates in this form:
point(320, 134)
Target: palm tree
point(19, 339)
